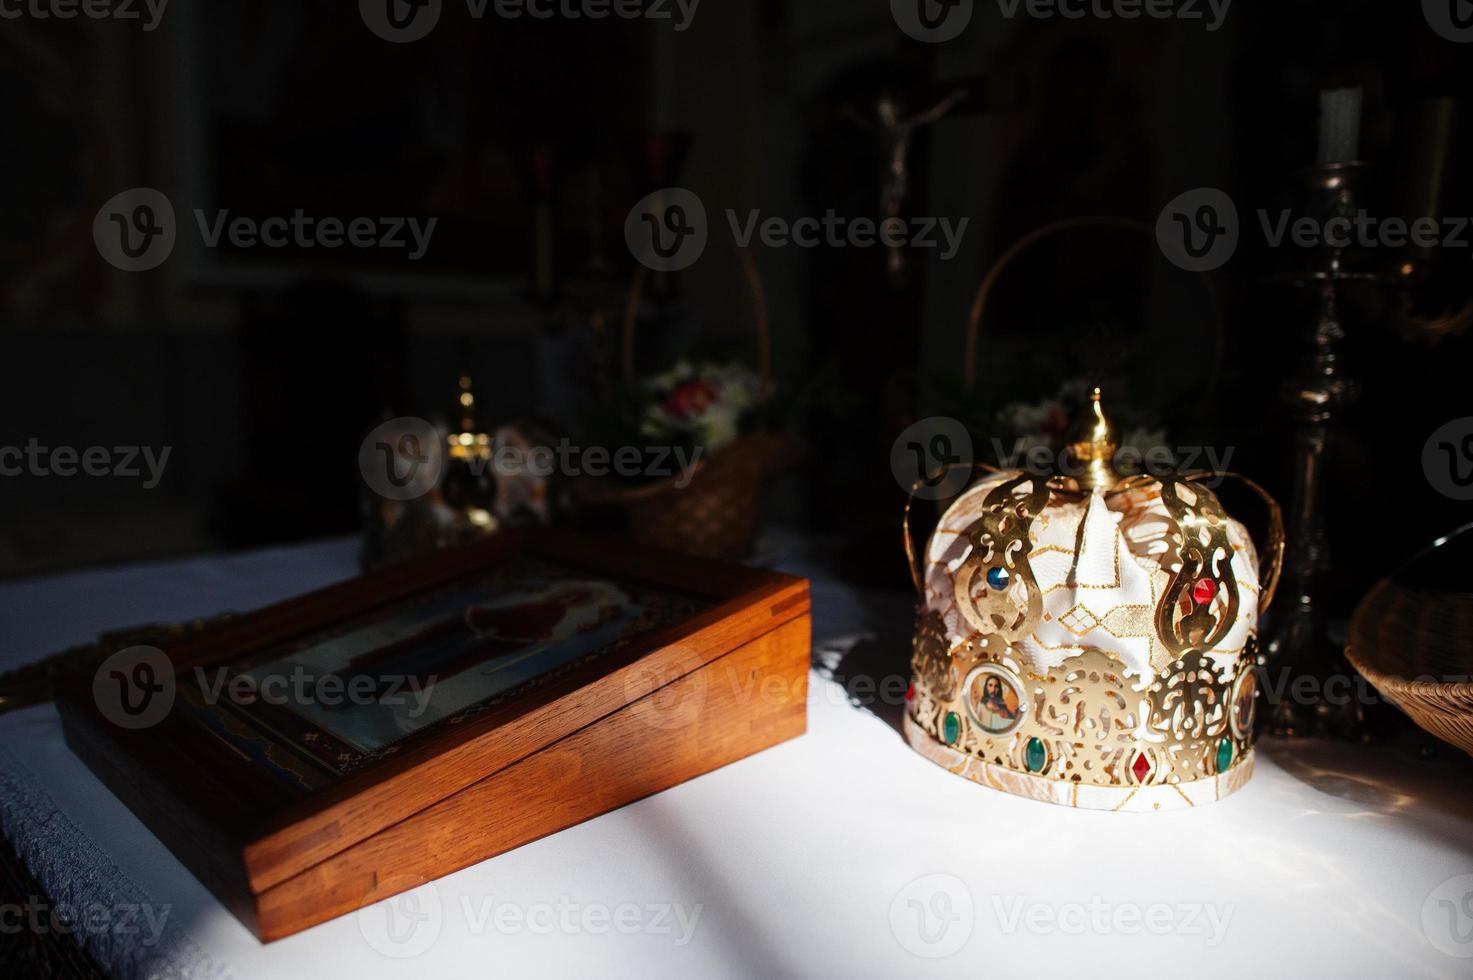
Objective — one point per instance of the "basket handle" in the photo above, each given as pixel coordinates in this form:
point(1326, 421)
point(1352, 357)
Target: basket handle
point(753, 278)
point(984, 292)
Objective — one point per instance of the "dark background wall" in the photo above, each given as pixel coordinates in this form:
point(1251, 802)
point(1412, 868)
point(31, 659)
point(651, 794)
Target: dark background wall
point(262, 370)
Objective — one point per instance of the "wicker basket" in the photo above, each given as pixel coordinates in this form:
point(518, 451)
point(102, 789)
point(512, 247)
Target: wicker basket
point(715, 514)
point(1401, 638)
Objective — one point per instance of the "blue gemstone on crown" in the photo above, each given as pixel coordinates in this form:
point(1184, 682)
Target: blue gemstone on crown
point(997, 578)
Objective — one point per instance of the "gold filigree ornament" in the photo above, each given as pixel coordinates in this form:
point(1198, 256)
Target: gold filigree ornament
point(1005, 601)
point(931, 658)
point(1089, 640)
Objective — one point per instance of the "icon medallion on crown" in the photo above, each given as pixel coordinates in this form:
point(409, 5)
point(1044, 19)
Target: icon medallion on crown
point(1090, 639)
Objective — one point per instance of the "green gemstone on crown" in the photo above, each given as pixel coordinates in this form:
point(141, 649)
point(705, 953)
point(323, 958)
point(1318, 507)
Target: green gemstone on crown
point(1035, 756)
point(951, 728)
point(1224, 754)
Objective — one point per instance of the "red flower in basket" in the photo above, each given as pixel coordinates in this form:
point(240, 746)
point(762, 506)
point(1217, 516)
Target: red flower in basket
point(702, 405)
point(690, 399)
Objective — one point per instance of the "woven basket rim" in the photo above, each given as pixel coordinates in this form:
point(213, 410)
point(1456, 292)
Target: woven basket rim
point(1414, 686)
point(1443, 708)
point(765, 450)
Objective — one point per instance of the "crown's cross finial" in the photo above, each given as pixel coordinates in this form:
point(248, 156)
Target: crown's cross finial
point(1092, 443)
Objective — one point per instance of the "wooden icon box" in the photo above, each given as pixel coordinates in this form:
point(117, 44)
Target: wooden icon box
point(558, 680)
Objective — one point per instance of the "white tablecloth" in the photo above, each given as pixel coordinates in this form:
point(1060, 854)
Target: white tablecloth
point(840, 854)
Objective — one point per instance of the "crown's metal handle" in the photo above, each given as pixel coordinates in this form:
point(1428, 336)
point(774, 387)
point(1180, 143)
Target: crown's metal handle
point(1271, 558)
point(917, 573)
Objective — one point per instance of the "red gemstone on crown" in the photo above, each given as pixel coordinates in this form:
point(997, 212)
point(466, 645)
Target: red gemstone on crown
point(1204, 591)
point(910, 692)
point(1141, 767)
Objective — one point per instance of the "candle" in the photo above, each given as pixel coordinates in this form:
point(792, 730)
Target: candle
point(1339, 125)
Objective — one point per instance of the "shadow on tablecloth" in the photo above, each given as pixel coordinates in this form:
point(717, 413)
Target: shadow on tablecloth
point(1394, 780)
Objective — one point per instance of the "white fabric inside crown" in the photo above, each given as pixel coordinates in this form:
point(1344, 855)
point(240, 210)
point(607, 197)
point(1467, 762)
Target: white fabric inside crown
point(1099, 565)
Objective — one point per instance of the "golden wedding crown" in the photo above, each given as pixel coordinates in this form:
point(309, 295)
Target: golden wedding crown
point(1089, 639)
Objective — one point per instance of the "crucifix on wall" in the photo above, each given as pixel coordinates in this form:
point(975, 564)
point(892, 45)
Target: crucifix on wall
point(895, 117)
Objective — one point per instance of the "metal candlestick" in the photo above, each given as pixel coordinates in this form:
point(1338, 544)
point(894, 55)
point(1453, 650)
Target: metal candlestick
point(1317, 395)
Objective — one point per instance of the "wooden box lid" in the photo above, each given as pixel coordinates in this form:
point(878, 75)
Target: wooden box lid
point(244, 831)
